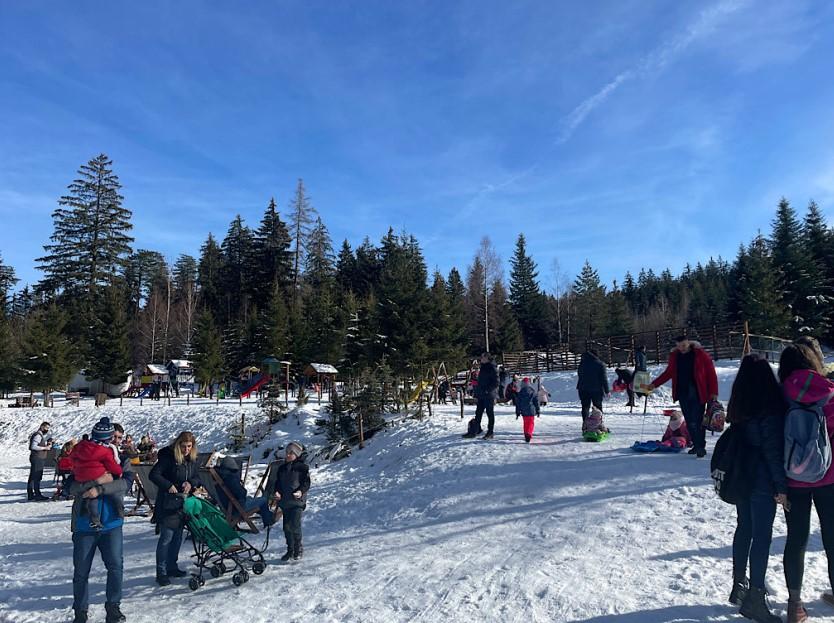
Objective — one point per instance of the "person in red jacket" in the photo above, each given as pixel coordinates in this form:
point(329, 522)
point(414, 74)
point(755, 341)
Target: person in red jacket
point(694, 383)
point(93, 459)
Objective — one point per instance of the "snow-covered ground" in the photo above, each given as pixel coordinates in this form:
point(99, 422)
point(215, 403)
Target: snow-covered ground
point(423, 525)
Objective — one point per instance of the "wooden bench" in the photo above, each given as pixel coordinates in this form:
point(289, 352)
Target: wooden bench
point(146, 490)
point(73, 398)
point(24, 402)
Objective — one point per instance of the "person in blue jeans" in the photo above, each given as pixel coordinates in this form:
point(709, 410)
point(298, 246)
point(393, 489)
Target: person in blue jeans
point(757, 406)
point(107, 540)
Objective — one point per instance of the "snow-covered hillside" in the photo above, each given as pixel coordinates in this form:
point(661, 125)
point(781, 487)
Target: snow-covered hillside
point(423, 525)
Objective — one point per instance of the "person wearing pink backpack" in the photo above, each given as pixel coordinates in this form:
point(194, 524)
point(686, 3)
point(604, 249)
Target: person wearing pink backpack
point(803, 381)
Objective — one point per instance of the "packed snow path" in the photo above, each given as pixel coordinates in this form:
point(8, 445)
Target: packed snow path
point(423, 525)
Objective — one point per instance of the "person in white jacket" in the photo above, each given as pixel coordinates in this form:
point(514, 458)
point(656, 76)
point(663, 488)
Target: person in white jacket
point(39, 446)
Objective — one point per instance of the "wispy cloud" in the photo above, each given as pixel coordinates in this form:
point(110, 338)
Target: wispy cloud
point(654, 62)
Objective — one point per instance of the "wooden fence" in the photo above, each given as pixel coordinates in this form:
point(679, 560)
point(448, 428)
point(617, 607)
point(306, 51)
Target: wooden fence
point(727, 341)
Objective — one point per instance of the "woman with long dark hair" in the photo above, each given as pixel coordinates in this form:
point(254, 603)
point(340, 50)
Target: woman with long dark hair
point(756, 405)
point(175, 473)
point(803, 381)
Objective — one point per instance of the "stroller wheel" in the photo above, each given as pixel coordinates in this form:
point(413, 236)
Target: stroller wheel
point(258, 568)
point(215, 571)
point(237, 579)
point(193, 584)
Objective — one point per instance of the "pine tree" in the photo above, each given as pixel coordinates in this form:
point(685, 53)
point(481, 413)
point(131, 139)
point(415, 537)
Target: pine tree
point(185, 306)
point(109, 347)
point(618, 320)
point(456, 306)
point(301, 218)
point(272, 258)
point(208, 362)
point(819, 241)
point(368, 268)
point(758, 290)
point(322, 340)
point(591, 314)
point(90, 244)
point(526, 297)
point(9, 353)
point(275, 325)
point(345, 269)
point(474, 307)
point(48, 356)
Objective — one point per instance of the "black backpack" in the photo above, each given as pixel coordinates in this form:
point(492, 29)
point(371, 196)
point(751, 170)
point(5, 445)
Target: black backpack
point(731, 466)
point(473, 428)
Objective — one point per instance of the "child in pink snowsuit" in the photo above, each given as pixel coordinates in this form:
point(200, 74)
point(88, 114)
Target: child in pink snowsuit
point(677, 434)
point(527, 406)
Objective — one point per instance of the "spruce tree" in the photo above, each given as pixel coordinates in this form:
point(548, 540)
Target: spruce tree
point(456, 305)
point(9, 354)
point(322, 339)
point(7, 282)
point(368, 268)
point(506, 332)
point(275, 326)
point(526, 297)
point(210, 278)
point(208, 361)
point(819, 240)
point(591, 312)
point(618, 319)
point(90, 243)
point(109, 347)
point(792, 258)
point(48, 356)
point(758, 290)
point(345, 269)
point(237, 278)
point(474, 307)
point(272, 261)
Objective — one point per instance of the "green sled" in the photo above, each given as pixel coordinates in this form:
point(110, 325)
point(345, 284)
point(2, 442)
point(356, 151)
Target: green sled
point(595, 436)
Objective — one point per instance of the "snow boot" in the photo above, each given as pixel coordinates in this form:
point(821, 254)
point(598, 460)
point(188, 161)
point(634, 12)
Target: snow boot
point(469, 435)
point(797, 612)
point(114, 614)
point(739, 592)
point(80, 616)
point(162, 579)
point(488, 435)
point(700, 454)
point(755, 607)
point(527, 438)
point(287, 556)
point(691, 451)
point(177, 573)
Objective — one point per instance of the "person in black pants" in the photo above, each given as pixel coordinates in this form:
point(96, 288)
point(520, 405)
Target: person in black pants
point(486, 391)
point(758, 408)
point(39, 447)
point(592, 382)
point(289, 486)
point(801, 372)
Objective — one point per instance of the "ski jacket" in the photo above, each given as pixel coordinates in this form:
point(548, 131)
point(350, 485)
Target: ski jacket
point(166, 473)
point(527, 401)
point(91, 460)
point(765, 437)
point(808, 387)
point(705, 379)
point(681, 433)
point(593, 376)
point(487, 381)
point(543, 395)
point(291, 477)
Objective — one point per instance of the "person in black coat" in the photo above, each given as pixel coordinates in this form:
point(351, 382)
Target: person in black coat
point(289, 484)
point(757, 405)
point(592, 382)
point(486, 392)
point(176, 476)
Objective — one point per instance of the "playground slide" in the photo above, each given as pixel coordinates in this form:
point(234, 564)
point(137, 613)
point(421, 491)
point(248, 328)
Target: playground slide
point(420, 388)
point(145, 392)
point(254, 385)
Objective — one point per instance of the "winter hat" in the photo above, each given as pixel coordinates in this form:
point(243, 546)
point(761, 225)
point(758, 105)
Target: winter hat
point(294, 447)
point(103, 431)
point(526, 380)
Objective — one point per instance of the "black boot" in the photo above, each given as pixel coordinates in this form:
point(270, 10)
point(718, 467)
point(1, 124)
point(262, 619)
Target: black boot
point(80, 616)
point(114, 614)
point(162, 579)
point(739, 592)
point(298, 549)
point(755, 607)
point(290, 548)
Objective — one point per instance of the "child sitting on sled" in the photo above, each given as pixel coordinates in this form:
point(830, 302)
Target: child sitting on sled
point(677, 434)
point(593, 428)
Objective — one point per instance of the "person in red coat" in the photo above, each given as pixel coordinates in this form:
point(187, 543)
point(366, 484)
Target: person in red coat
point(694, 383)
point(93, 459)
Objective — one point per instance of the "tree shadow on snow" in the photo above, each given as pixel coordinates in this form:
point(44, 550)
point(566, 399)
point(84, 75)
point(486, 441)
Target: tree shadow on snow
point(672, 614)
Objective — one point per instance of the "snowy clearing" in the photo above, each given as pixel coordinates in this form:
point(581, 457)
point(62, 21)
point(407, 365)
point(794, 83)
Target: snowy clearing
point(423, 525)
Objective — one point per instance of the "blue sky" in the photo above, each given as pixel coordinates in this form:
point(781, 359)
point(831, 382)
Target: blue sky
point(627, 132)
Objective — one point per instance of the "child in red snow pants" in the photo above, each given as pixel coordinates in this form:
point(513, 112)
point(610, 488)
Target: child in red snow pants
point(529, 425)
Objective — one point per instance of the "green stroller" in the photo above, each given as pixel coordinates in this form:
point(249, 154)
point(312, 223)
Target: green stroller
point(218, 547)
